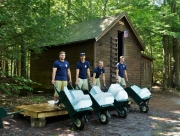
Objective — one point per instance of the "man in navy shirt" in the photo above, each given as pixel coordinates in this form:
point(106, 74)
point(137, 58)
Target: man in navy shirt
point(82, 72)
point(121, 72)
point(99, 70)
point(60, 72)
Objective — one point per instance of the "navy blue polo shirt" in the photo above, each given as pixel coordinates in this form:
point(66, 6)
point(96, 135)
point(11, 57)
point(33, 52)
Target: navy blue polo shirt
point(121, 68)
point(61, 73)
point(82, 68)
point(98, 71)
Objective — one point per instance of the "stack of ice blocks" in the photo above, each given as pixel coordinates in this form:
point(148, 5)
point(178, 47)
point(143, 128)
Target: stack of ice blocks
point(78, 99)
point(118, 92)
point(102, 98)
point(143, 93)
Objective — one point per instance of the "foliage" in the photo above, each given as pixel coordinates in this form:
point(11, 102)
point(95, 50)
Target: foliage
point(33, 24)
point(12, 85)
point(37, 99)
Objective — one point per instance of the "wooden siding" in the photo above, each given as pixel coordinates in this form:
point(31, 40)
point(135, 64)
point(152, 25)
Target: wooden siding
point(146, 72)
point(132, 53)
point(41, 68)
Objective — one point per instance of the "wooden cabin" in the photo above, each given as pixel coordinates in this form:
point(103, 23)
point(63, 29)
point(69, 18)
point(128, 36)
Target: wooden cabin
point(146, 71)
point(101, 39)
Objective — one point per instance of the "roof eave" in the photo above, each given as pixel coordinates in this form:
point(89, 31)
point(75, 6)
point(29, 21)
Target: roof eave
point(123, 14)
point(109, 27)
point(77, 41)
point(146, 56)
point(132, 27)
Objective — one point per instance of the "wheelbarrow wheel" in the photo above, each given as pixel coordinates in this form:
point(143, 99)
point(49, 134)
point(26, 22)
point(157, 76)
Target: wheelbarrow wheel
point(123, 113)
point(144, 108)
point(104, 118)
point(80, 123)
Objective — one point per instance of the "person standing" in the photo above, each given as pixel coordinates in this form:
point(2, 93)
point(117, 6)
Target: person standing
point(97, 72)
point(60, 72)
point(82, 72)
point(121, 72)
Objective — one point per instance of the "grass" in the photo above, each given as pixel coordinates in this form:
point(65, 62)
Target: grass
point(38, 99)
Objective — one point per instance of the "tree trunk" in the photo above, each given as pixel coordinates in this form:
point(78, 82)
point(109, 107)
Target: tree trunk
point(23, 59)
point(69, 8)
point(12, 61)
point(165, 62)
point(105, 6)
point(175, 47)
point(1, 65)
point(15, 68)
point(176, 63)
point(6, 68)
point(170, 62)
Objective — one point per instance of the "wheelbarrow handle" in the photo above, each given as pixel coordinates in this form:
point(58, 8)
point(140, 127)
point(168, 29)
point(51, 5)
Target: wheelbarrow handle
point(71, 86)
point(90, 84)
point(78, 87)
point(129, 83)
point(56, 88)
point(106, 87)
point(9, 108)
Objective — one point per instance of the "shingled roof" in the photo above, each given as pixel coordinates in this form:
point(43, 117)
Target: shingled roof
point(95, 29)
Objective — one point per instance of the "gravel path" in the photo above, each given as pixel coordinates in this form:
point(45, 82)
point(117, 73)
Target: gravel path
point(163, 119)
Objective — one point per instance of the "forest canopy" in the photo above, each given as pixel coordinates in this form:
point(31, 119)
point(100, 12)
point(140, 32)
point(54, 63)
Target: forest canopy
point(29, 24)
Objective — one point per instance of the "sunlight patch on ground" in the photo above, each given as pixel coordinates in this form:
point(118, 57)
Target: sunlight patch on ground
point(164, 119)
point(170, 134)
point(177, 112)
point(5, 122)
point(156, 87)
point(153, 125)
point(58, 129)
point(67, 135)
point(177, 101)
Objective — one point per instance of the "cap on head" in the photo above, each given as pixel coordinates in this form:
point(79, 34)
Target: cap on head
point(121, 57)
point(82, 54)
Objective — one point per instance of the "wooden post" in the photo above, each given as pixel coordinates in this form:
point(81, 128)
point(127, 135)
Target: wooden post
point(38, 122)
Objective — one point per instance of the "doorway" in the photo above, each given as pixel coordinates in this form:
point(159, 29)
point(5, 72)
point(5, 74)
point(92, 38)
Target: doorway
point(120, 44)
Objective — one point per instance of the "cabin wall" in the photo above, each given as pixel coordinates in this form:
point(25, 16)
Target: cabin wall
point(132, 52)
point(146, 73)
point(41, 68)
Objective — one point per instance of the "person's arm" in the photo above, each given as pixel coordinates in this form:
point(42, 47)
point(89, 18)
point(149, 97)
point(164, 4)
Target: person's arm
point(69, 75)
point(117, 71)
point(125, 72)
point(77, 76)
point(104, 79)
point(93, 78)
point(53, 75)
point(88, 73)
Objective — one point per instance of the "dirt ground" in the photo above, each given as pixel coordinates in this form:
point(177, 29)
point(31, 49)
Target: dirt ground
point(163, 119)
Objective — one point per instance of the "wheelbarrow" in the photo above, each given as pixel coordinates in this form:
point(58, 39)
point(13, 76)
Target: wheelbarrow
point(120, 99)
point(3, 113)
point(77, 105)
point(140, 96)
point(102, 101)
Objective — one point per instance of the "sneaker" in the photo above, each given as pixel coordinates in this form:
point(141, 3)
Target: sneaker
point(130, 102)
point(62, 105)
point(56, 107)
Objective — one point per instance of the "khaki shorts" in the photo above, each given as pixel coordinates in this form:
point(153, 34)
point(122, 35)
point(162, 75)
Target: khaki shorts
point(121, 80)
point(60, 85)
point(97, 82)
point(83, 84)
